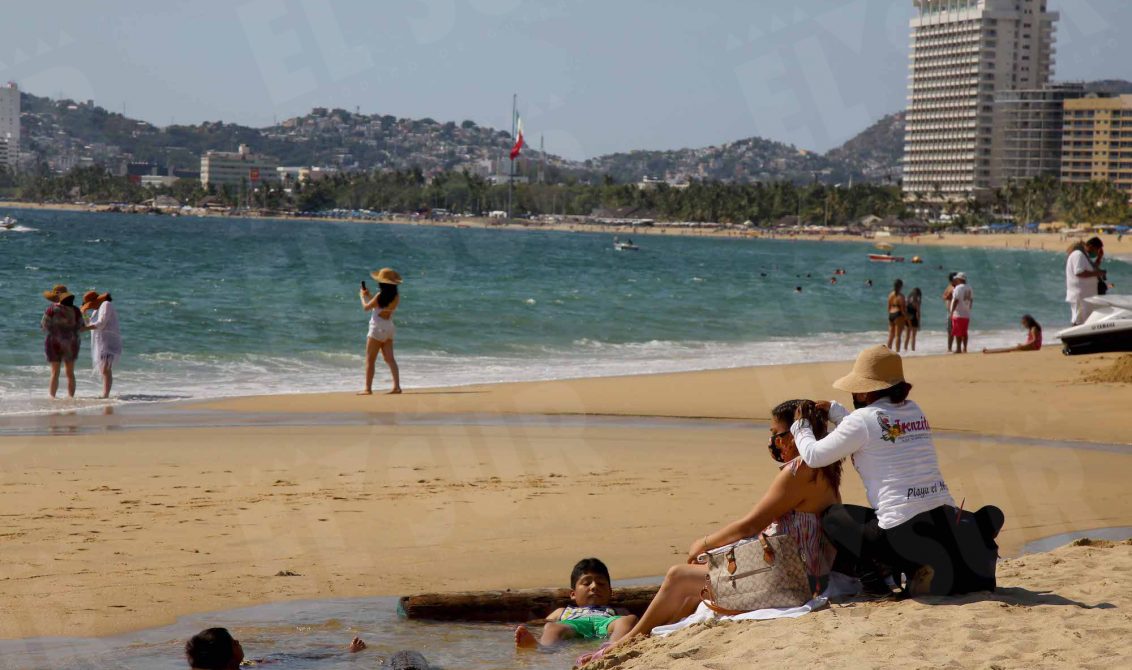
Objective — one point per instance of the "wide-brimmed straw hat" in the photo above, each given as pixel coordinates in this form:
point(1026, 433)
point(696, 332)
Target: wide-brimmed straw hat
point(91, 300)
point(386, 276)
point(56, 291)
point(876, 369)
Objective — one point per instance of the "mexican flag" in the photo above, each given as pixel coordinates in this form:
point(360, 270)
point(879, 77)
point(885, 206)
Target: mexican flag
point(518, 146)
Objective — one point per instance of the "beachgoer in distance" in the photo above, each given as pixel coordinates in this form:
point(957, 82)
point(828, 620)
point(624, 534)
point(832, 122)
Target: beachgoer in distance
point(868, 283)
point(590, 618)
point(962, 298)
point(910, 526)
point(1033, 338)
point(1081, 277)
point(62, 323)
point(793, 505)
point(947, 292)
point(105, 336)
point(897, 314)
point(381, 328)
point(913, 309)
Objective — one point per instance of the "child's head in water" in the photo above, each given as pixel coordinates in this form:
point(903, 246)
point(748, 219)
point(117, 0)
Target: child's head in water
point(589, 583)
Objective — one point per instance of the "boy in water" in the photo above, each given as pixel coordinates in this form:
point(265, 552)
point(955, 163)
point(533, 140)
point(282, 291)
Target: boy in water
point(589, 618)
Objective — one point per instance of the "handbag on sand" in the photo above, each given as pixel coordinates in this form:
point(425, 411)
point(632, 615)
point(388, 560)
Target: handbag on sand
point(755, 573)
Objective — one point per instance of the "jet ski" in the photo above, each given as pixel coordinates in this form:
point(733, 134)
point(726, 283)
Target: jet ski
point(1108, 328)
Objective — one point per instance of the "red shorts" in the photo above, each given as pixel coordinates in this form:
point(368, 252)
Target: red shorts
point(959, 326)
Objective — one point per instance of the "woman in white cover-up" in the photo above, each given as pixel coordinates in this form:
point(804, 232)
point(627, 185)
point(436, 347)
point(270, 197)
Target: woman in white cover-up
point(105, 336)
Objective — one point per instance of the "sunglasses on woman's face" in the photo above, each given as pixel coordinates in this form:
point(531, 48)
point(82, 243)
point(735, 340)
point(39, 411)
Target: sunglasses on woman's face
point(777, 436)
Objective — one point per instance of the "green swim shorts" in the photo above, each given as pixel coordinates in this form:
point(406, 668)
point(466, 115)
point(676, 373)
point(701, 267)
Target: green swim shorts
point(590, 627)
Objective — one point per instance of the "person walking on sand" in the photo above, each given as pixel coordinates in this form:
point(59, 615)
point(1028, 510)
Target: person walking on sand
point(897, 314)
point(1082, 277)
point(381, 328)
point(947, 305)
point(912, 309)
point(62, 323)
point(960, 310)
point(105, 336)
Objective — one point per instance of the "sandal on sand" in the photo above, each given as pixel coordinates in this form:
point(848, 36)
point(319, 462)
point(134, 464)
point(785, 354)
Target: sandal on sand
point(593, 655)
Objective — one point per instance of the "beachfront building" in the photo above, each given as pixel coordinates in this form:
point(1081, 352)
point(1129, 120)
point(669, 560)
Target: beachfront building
point(963, 52)
point(1096, 141)
point(226, 168)
point(1027, 133)
point(9, 125)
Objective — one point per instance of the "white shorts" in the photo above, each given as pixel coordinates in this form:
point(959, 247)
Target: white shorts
point(382, 329)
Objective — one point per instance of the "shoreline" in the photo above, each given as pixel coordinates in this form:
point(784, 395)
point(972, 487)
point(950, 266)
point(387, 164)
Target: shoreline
point(126, 529)
point(1052, 242)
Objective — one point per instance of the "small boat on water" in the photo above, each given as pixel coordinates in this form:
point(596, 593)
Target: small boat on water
point(627, 245)
point(8, 222)
point(1108, 328)
point(886, 254)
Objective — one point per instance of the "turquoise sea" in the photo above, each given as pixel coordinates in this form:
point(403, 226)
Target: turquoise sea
point(228, 306)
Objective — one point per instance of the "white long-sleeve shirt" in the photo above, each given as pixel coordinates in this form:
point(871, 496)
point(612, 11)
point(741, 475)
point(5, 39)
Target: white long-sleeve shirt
point(892, 449)
point(105, 338)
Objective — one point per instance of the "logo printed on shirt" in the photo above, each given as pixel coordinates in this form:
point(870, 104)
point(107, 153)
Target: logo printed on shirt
point(891, 430)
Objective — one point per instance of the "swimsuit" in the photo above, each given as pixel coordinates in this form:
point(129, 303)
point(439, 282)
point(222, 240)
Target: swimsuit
point(589, 622)
point(382, 329)
point(913, 316)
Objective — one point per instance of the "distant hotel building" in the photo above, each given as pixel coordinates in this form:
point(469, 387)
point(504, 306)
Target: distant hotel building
point(1027, 133)
point(225, 168)
point(963, 52)
point(9, 125)
point(1096, 144)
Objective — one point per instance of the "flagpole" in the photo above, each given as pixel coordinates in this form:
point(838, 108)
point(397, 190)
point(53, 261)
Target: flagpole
point(511, 175)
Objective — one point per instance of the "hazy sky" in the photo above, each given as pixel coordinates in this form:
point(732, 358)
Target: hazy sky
point(593, 76)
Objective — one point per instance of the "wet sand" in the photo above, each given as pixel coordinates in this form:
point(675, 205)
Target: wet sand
point(111, 526)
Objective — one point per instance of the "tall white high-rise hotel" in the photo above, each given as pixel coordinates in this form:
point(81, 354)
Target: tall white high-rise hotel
point(9, 125)
point(963, 52)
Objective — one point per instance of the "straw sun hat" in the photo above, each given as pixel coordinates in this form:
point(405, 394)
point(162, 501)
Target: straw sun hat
point(386, 276)
point(876, 369)
point(56, 293)
point(91, 300)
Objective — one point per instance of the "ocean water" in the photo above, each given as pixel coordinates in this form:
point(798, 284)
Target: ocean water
point(301, 635)
point(226, 306)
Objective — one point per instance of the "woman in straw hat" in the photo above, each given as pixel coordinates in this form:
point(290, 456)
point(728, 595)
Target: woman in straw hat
point(105, 336)
point(62, 322)
point(913, 527)
point(381, 328)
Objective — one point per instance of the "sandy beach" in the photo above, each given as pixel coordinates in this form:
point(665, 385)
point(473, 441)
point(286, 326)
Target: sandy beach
point(504, 486)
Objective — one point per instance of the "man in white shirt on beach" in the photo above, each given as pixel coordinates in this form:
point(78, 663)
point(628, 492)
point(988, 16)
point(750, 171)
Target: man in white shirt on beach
point(960, 310)
point(1081, 279)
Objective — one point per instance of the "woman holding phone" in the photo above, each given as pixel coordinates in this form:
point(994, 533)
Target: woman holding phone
point(381, 328)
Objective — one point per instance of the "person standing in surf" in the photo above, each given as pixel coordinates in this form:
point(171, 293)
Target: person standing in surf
point(105, 336)
point(61, 323)
point(381, 328)
point(897, 314)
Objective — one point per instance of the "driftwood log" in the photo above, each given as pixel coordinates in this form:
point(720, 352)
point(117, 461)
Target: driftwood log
point(518, 606)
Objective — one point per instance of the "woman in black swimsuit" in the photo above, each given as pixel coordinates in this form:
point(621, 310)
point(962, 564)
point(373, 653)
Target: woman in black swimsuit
point(897, 317)
point(912, 309)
